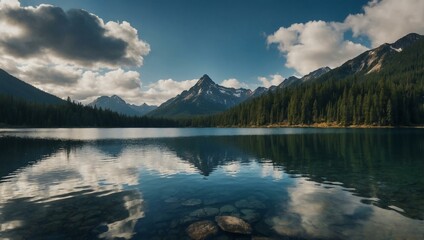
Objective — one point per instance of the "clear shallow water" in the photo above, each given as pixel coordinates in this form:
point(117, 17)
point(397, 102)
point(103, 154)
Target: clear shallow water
point(297, 183)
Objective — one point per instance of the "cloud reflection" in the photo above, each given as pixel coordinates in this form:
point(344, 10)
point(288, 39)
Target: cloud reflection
point(324, 211)
point(90, 173)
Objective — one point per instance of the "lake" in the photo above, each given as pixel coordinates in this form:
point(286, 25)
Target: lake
point(289, 183)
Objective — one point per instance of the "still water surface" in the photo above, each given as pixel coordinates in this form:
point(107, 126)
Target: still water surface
point(154, 183)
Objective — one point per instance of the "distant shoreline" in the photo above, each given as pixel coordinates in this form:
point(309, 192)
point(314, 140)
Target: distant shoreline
point(315, 125)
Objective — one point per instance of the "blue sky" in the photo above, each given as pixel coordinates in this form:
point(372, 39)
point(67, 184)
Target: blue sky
point(252, 43)
point(225, 39)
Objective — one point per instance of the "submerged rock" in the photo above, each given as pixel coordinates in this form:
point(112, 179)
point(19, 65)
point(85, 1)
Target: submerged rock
point(250, 215)
point(261, 238)
point(227, 209)
point(192, 202)
point(205, 212)
point(233, 224)
point(250, 202)
point(211, 201)
point(171, 200)
point(201, 230)
point(188, 219)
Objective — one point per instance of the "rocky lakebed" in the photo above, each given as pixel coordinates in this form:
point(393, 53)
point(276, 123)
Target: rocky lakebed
point(245, 218)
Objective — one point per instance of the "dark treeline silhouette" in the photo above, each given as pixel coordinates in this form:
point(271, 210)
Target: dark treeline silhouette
point(17, 112)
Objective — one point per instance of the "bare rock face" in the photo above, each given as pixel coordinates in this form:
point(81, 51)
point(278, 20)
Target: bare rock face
point(201, 230)
point(233, 224)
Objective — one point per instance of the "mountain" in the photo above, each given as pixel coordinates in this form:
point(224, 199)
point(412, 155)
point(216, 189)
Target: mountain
point(291, 82)
point(117, 104)
point(259, 91)
point(315, 74)
point(382, 86)
point(12, 86)
point(143, 109)
point(204, 98)
point(294, 81)
point(373, 60)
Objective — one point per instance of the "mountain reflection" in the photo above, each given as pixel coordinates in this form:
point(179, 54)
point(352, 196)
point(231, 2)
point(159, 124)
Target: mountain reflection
point(321, 183)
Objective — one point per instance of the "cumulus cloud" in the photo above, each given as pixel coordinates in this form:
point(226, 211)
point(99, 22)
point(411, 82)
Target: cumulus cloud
point(75, 35)
point(233, 83)
point(314, 44)
point(61, 75)
point(9, 4)
point(272, 80)
point(388, 20)
point(93, 84)
point(71, 53)
point(165, 89)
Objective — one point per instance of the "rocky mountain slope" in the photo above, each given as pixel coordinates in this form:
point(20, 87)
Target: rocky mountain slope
point(117, 104)
point(204, 98)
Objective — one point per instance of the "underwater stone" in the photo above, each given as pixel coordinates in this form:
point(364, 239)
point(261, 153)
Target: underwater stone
point(228, 209)
point(201, 230)
point(205, 212)
point(233, 224)
point(192, 202)
point(250, 203)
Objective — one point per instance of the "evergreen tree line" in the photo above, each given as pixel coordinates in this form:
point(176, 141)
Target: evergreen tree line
point(16, 112)
point(344, 102)
point(392, 97)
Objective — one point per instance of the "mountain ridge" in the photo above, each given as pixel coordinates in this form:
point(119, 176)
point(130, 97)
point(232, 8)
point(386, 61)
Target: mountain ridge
point(372, 60)
point(204, 98)
point(12, 86)
point(392, 95)
point(117, 104)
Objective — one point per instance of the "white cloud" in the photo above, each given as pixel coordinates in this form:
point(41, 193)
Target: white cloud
point(272, 80)
point(165, 89)
point(60, 75)
point(85, 85)
point(314, 44)
point(71, 53)
point(74, 36)
point(233, 83)
point(9, 4)
point(388, 20)
point(100, 64)
point(93, 84)
point(136, 48)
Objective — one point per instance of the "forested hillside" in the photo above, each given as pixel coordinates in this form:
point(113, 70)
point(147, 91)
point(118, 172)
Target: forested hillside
point(394, 95)
point(17, 112)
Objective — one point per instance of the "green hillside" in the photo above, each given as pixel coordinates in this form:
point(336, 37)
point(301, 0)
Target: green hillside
point(394, 95)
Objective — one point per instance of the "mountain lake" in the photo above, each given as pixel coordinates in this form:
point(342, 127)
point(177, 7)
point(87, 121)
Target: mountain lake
point(274, 183)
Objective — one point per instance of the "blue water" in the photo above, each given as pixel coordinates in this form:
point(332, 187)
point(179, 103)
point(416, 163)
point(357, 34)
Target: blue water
point(153, 183)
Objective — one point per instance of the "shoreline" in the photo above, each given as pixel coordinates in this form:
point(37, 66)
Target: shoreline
point(315, 125)
point(322, 125)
